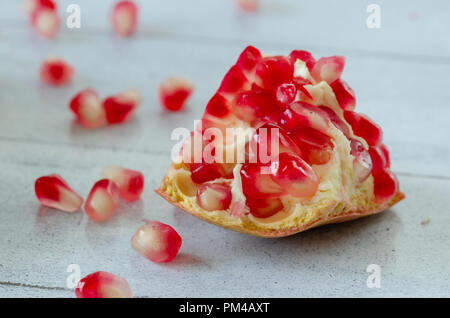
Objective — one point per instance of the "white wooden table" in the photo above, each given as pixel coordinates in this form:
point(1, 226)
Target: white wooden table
point(400, 73)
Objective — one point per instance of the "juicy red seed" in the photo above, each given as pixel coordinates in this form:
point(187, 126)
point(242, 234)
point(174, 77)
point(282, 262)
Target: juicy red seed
point(54, 192)
point(385, 185)
point(264, 208)
point(45, 21)
point(286, 94)
point(32, 5)
point(328, 69)
point(316, 147)
point(248, 59)
point(217, 106)
point(174, 91)
point(336, 120)
point(56, 72)
point(362, 164)
point(87, 108)
point(248, 5)
point(300, 83)
point(124, 18)
point(364, 127)
point(273, 71)
point(130, 182)
point(304, 114)
point(214, 196)
point(103, 285)
point(233, 82)
point(385, 151)
point(344, 94)
point(305, 56)
point(379, 161)
point(102, 201)
point(295, 175)
point(203, 172)
point(256, 105)
point(258, 185)
point(156, 241)
point(120, 108)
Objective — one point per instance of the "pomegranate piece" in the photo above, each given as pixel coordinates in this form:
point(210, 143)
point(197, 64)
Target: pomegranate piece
point(54, 192)
point(247, 61)
point(328, 69)
point(234, 82)
point(387, 157)
point(120, 108)
point(286, 94)
point(336, 120)
point(103, 285)
point(379, 161)
point(256, 107)
point(214, 196)
point(344, 94)
point(295, 175)
point(364, 127)
point(362, 163)
point(385, 185)
point(102, 201)
point(304, 114)
point(45, 21)
point(305, 56)
point(88, 110)
point(264, 208)
point(316, 147)
point(124, 18)
point(258, 185)
point(156, 241)
point(56, 72)
point(174, 91)
point(130, 182)
point(248, 5)
point(273, 71)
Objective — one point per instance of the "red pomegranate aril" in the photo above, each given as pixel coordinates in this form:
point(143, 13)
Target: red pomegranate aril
point(32, 5)
point(300, 83)
point(247, 61)
point(387, 157)
point(218, 107)
point(295, 176)
point(336, 120)
point(124, 18)
point(264, 208)
point(102, 201)
point(305, 56)
point(157, 242)
point(272, 71)
point(328, 69)
point(385, 185)
point(364, 127)
point(53, 191)
point(45, 21)
point(316, 147)
point(258, 185)
point(204, 172)
point(88, 110)
point(304, 114)
point(214, 196)
point(103, 285)
point(379, 161)
point(56, 72)
point(120, 108)
point(233, 82)
point(256, 107)
point(248, 5)
point(362, 163)
point(286, 94)
point(130, 182)
point(174, 91)
point(344, 94)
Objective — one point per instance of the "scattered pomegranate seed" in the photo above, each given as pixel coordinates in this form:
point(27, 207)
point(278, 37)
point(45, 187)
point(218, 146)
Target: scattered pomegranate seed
point(256, 107)
point(54, 192)
point(174, 91)
point(248, 5)
point(120, 108)
point(264, 208)
point(385, 185)
point(344, 94)
point(286, 94)
point(33, 5)
point(304, 114)
point(305, 56)
point(247, 61)
point(130, 182)
point(362, 164)
point(328, 69)
point(124, 18)
point(273, 71)
point(256, 185)
point(316, 147)
point(102, 201)
point(156, 241)
point(45, 21)
point(214, 196)
point(56, 72)
point(87, 107)
point(103, 285)
point(364, 127)
point(379, 161)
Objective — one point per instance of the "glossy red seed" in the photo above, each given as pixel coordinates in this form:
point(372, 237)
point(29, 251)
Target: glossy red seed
point(364, 127)
point(102, 201)
point(286, 94)
point(103, 285)
point(379, 162)
point(256, 107)
point(362, 163)
point(328, 69)
point(272, 71)
point(156, 241)
point(174, 91)
point(203, 172)
point(124, 18)
point(304, 114)
point(45, 21)
point(53, 191)
point(130, 182)
point(120, 108)
point(305, 56)
point(233, 82)
point(264, 208)
point(295, 175)
point(385, 151)
point(316, 147)
point(56, 72)
point(336, 120)
point(214, 196)
point(385, 185)
point(300, 83)
point(87, 108)
point(31, 5)
point(344, 94)
point(248, 5)
point(247, 61)
point(258, 185)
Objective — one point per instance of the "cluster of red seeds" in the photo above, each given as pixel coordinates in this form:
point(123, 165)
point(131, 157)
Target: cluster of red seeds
point(262, 91)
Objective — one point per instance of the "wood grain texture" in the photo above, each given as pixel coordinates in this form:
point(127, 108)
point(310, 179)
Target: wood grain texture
point(399, 72)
